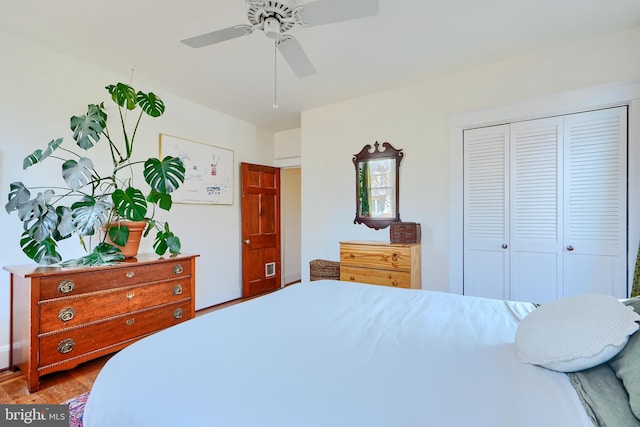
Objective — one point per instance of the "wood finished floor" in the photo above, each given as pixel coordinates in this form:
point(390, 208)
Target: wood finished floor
point(59, 387)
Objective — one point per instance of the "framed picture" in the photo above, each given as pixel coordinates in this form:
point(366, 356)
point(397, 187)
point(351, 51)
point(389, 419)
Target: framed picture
point(208, 171)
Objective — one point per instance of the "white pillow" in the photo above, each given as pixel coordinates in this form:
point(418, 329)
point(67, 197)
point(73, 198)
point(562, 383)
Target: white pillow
point(575, 333)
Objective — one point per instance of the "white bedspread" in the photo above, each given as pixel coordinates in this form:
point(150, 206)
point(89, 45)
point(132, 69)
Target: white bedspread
point(331, 354)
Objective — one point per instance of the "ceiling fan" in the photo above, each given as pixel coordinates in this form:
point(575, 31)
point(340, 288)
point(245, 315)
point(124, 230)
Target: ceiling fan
point(276, 17)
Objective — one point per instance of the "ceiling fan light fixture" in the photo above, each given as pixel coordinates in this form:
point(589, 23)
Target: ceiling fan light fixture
point(271, 28)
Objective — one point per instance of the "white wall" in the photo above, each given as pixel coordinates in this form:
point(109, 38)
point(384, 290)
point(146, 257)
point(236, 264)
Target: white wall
point(286, 150)
point(416, 119)
point(286, 155)
point(41, 89)
point(290, 203)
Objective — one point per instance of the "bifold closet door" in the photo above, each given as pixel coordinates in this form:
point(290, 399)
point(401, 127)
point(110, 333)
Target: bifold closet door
point(595, 219)
point(535, 161)
point(486, 221)
point(545, 207)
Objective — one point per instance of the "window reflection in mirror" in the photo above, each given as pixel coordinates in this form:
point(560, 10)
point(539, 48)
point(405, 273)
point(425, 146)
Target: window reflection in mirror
point(377, 188)
point(377, 185)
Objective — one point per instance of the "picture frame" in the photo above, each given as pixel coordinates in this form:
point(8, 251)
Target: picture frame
point(209, 171)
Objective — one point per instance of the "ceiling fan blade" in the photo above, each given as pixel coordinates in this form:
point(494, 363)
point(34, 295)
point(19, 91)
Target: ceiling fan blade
point(295, 56)
point(329, 11)
point(218, 36)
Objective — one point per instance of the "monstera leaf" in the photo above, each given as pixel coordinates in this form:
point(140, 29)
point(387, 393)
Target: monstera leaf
point(44, 226)
point(130, 204)
point(44, 252)
point(65, 223)
point(18, 195)
point(39, 155)
point(34, 208)
point(164, 176)
point(123, 95)
point(77, 174)
point(102, 254)
point(150, 103)
point(165, 239)
point(90, 214)
point(87, 129)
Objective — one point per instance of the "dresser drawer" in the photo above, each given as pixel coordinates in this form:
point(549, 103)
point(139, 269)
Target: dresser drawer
point(58, 347)
point(74, 283)
point(398, 279)
point(76, 310)
point(381, 257)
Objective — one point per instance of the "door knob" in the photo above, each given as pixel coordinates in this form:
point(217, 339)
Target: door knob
point(505, 246)
point(570, 248)
point(247, 242)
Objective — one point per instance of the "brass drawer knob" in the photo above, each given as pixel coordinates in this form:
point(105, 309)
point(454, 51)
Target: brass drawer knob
point(177, 313)
point(65, 346)
point(66, 314)
point(130, 274)
point(66, 286)
point(131, 294)
point(177, 290)
point(130, 322)
point(178, 269)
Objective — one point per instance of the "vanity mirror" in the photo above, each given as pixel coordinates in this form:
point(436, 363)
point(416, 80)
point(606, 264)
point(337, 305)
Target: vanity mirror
point(377, 184)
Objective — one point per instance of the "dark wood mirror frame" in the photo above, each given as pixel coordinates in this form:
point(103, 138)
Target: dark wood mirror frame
point(366, 160)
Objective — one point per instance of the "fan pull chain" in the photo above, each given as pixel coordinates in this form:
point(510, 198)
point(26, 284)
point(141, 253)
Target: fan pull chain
point(275, 73)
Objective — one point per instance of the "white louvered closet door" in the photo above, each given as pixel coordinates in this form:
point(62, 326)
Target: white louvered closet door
point(595, 241)
point(486, 230)
point(536, 210)
point(559, 226)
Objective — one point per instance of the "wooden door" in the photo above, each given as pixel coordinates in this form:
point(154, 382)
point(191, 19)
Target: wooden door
point(260, 229)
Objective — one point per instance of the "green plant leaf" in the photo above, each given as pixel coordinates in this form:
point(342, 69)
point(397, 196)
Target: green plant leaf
point(166, 240)
point(87, 129)
point(44, 226)
point(150, 103)
point(65, 223)
point(164, 176)
point(38, 156)
point(35, 207)
point(18, 195)
point(90, 214)
point(102, 254)
point(77, 174)
point(130, 204)
point(119, 234)
point(164, 201)
point(44, 252)
point(123, 95)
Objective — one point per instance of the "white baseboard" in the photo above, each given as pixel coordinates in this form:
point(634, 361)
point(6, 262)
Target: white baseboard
point(4, 357)
point(291, 278)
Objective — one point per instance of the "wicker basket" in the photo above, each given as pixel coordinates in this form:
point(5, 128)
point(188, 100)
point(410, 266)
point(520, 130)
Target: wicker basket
point(322, 269)
point(405, 232)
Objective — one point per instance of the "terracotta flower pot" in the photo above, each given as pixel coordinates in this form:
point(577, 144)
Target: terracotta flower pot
point(130, 250)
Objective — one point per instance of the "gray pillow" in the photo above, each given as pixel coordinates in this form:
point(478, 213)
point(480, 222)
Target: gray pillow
point(627, 364)
point(604, 397)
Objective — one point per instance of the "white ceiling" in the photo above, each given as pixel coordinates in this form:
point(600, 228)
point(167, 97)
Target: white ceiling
point(409, 40)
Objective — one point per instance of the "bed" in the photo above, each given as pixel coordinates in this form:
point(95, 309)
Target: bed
point(330, 353)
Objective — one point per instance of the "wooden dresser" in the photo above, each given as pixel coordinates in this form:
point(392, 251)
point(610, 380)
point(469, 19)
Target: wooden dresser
point(61, 317)
point(381, 263)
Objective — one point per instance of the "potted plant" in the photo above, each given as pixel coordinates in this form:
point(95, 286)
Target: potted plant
point(93, 201)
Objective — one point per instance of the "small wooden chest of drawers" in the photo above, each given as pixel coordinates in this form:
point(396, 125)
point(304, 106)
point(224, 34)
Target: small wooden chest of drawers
point(61, 317)
point(381, 263)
